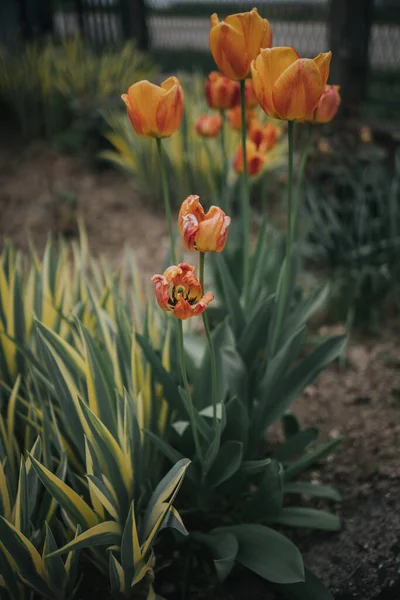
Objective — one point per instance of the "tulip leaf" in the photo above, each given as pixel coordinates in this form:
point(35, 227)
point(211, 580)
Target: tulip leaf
point(237, 422)
point(267, 552)
point(231, 297)
point(296, 444)
point(311, 589)
point(227, 463)
point(255, 335)
point(224, 548)
point(267, 500)
point(294, 516)
point(304, 488)
point(304, 462)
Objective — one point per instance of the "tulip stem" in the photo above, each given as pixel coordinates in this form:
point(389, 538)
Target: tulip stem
point(167, 202)
point(224, 158)
point(188, 394)
point(283, 293)
point(210, 160)
point(210, 346)
point(300, 176)
point(246, 195)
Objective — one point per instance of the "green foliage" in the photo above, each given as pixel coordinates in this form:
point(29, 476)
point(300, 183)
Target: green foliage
point(63, 86)
point(353, 222)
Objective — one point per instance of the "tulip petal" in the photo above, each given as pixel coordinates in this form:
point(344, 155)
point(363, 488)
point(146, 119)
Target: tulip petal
point(169, 112)
point(161, 289)
point(297, 90)
point(202, 305)
point(143, 98)
point(229, 51)
point(323, 62)
point(212, 232)
point(266, 70)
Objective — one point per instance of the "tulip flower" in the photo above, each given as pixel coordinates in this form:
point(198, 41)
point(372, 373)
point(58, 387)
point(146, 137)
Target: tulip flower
point(209, 125)
point(235, 118)
point(204, 232)
point(237, 40)
point(221, 93)
point(327, 106)
point(287, 86)
point(263, 136)
point(178, 290)
point(255, 159)
point(155, 111)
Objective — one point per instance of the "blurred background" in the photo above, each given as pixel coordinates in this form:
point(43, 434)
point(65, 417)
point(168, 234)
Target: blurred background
point(67, 149)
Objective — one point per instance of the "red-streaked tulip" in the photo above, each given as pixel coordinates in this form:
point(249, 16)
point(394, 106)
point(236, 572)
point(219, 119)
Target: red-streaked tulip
point(237, 40)
point(327, 106)
point(287, 86)
point(221, 93)
point(251, 98)
point(255, 159)
point(204, 232)
point(178, 290)
point(264, 136)
point(155, 110)
point(209, 125)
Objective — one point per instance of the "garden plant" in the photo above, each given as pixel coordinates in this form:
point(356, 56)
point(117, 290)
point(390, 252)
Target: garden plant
point(129, 420)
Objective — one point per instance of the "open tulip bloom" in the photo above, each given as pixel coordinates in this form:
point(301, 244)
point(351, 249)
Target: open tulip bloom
point(178, 290)
point(200, 231)
point(287, 86)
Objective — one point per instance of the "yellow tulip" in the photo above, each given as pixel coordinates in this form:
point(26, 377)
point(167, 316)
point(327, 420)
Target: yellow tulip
point(155, 110)
point(287, 86)
point(237, 40)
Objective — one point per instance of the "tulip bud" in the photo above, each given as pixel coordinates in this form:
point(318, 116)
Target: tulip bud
point(327, 106)
point(155, 111)
point(237, 40)
point(209, 125)
point(255, 159)
point(263, 136)
point(221, 93)
point(287, 86)
point(204, 232)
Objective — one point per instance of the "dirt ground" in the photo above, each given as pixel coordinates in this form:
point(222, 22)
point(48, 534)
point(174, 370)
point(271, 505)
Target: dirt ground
point(41, 191)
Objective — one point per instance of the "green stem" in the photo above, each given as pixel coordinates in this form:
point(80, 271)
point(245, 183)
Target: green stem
point(300, 176)
point(210, 346)
point(246, 196)
point(167, 203)
point(210, 160)
point(188, 394)
point(224, 156)
point(289, 242)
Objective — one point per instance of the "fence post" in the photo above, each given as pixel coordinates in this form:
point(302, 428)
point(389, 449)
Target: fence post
point(349, 35)
point(134, 22)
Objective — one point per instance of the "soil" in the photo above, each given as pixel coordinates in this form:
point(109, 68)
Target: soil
point(360, 399)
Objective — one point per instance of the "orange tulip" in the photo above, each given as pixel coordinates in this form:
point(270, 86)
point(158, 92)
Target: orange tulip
point(209, 125)
point(235, 118)
point(237, 40)
point(221, 93)
point(255, 159)
point(251, 98)
point(204, 232)
point(327, 106)
point(263, 136)
point(178, 290)
point(155, 111)
point(287, 86)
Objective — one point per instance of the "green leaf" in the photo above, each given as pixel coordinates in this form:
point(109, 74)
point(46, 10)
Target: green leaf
point(227, 463)
point(234, 372)
point(170, 388)
point(304, 309)
point(304, 488)
point(296, 444)
point(311, 589)
point(288, 388)
point(255, 334)
point(294, 516)
point(268, 498)
point(231, 297)
point(224, 548)
point(107, 533)
point(268, 553)
point(212, 450)
point(252, 467)
point(53, 564)
point(311, 457)
point(200, 423)
point(237, 422)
